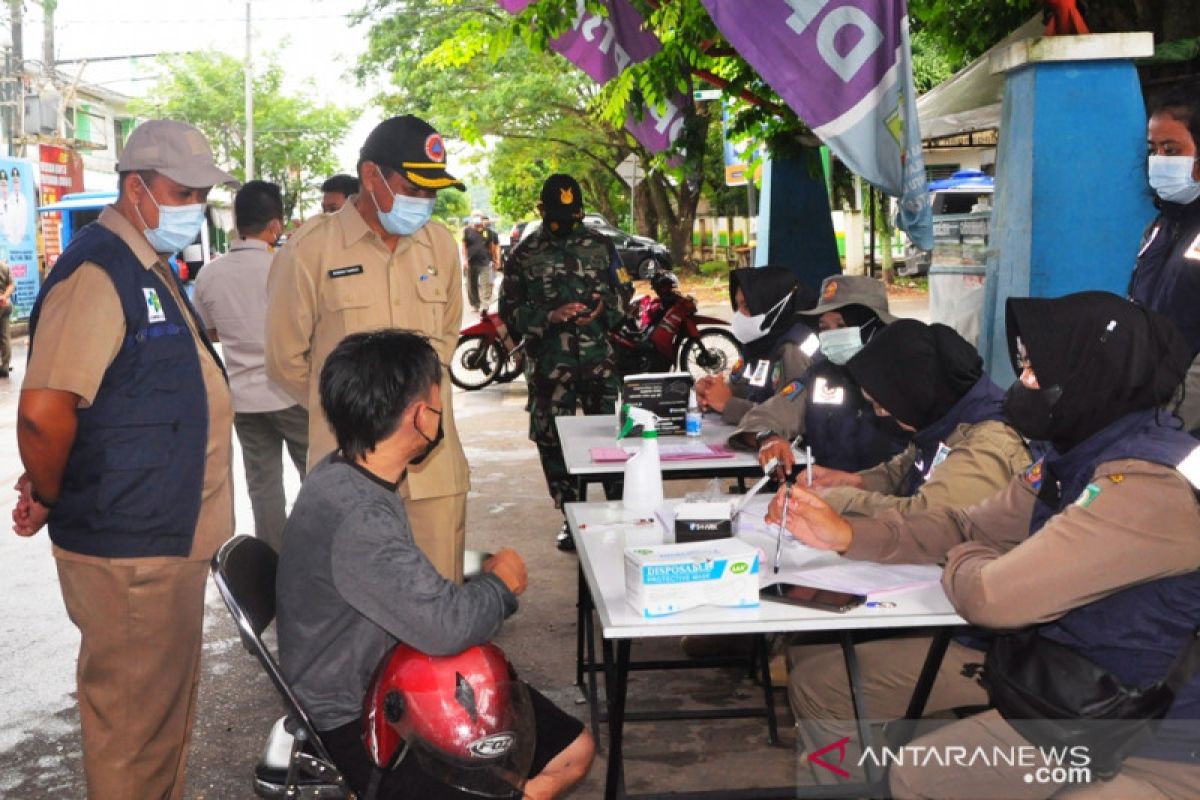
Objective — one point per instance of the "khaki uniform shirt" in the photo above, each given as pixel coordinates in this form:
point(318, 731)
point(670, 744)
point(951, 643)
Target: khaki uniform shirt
point(79, 333)
point(335, 277)
point(983, 458)
point(794, 362)
point(1140, 526)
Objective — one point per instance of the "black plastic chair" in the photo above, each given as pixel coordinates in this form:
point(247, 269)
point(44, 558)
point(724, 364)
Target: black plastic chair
point(244, 571)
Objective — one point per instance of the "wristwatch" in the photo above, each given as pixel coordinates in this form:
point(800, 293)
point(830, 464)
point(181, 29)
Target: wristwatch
point(761, 437)
point(37, 498)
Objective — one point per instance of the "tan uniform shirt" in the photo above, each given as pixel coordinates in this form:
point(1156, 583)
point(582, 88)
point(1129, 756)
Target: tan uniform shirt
point(335, 277)
point(983, 458)
point(79, 333)
point(1139, 527)
point(794, 363)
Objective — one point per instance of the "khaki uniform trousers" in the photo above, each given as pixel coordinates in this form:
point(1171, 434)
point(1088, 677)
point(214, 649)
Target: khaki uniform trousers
point(439, 526)
point(142, 625)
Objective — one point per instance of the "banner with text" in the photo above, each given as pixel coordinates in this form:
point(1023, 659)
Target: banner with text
point(18, 231)
point(845, 67)
point(61, 174)
point(603, 46)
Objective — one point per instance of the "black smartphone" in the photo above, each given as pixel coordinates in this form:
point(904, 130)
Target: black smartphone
point(812, 597)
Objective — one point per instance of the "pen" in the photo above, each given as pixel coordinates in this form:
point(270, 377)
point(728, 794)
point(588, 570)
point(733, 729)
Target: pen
point(787, 490)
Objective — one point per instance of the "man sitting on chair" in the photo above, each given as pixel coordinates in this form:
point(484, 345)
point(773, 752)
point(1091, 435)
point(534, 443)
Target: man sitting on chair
point(352, 582)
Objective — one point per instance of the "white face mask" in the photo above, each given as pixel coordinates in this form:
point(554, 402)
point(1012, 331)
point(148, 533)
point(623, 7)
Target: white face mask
point(1171, 178)
point(841, 344)
point(748, 329)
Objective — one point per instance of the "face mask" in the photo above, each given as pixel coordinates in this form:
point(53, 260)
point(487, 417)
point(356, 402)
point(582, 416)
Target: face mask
point(1031, 411)
point(408, 214)
point(841, 344)
point(430, 444)
point(560, 227)
point(177, 225)
point(748, 329)
point(1171, 178)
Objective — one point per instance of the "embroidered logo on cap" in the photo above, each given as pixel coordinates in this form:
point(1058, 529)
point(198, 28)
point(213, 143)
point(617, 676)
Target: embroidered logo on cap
point(830, 290)
point(566, 196)
point(435, 148)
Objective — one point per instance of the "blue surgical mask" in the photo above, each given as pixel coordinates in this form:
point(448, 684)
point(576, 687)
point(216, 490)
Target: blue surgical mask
point(178, 226)
point(408, 214)
point(841, 344)
point(1171, 178)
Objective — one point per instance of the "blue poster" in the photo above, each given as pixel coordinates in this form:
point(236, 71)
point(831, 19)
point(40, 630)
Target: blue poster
point(18, 231)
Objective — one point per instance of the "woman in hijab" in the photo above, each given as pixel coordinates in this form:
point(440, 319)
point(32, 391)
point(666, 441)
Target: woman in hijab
point(777, 346)
point(1094, 549)
point(928, 380)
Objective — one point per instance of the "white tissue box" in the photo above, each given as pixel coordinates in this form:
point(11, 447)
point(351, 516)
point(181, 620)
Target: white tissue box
point(701, 522)
point(674, 577)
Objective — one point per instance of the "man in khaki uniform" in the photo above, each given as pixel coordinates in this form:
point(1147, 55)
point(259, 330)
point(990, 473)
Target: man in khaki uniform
point(124, 430)
point(7, 287)
point(376, 263)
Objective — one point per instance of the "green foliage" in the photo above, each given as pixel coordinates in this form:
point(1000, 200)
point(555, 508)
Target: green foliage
point(452, 206)
point(714, 268)
point(964, 29)
point(294, 138)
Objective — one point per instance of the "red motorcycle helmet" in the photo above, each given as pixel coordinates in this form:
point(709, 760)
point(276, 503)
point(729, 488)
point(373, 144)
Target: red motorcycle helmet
point(466, 718)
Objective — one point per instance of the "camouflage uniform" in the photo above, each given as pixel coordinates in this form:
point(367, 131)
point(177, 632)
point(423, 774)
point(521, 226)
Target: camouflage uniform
point(568, 366)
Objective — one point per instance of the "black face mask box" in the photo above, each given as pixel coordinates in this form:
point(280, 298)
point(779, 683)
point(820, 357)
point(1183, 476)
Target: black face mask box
point(702, 522)
point(664, 394)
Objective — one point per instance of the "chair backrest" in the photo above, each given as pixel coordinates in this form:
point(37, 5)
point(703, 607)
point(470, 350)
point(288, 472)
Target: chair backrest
point(244, 571)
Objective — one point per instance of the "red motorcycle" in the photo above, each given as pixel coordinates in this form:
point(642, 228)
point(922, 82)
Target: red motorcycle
point(485, 353)
point(664, 333)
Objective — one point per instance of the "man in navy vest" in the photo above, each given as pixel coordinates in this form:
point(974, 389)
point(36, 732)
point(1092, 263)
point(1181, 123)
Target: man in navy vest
point(124, 431)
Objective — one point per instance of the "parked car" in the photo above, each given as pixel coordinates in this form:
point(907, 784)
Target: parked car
point(965, 192)
point(641, 255)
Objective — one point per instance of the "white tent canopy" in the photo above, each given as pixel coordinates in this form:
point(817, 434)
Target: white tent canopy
point(970, 100)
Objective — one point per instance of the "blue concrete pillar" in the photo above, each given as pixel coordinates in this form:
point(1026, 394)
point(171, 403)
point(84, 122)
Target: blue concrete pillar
point(795, 229)
point(1071, 197)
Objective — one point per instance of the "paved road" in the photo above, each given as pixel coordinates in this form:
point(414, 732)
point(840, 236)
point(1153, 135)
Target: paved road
point(508, 505)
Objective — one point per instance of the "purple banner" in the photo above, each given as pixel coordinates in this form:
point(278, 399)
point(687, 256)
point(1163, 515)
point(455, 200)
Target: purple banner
point(601, 46)
point(844, 66)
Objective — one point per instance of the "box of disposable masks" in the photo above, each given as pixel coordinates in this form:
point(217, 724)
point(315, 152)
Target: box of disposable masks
point(668, 578)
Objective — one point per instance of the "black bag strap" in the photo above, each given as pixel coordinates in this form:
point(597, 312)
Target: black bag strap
point(1185, 664)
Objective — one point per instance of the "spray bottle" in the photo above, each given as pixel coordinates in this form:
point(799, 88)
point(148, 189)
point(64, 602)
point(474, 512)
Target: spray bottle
point(643, 471)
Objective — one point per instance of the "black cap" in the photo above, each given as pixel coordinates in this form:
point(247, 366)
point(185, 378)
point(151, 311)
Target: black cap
point(412, 147)
point(561, 197)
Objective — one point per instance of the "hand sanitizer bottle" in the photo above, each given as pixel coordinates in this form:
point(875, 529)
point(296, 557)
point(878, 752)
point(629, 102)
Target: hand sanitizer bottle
point(643, 471)
point(695, 417)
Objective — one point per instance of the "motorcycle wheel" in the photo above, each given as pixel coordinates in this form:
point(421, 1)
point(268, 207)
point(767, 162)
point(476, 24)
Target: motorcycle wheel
point(476, 362)
point(714, 351)
point(513, 366)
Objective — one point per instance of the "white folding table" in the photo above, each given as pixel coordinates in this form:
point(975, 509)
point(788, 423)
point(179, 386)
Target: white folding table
point(601, 535)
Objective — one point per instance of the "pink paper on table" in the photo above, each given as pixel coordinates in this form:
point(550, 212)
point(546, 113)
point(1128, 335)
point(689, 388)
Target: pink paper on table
point(667, 452)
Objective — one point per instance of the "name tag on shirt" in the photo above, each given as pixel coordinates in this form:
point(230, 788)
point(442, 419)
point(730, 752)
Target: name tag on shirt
point(759, 376)
point(828, 395)
point(938, 458)
point(342, 272)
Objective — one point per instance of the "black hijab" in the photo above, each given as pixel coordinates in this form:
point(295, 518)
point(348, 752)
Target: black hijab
point(764, 287)
point(1106, 355)
point(917, 372)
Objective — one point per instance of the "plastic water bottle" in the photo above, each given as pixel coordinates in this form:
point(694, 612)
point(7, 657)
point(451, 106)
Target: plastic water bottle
point(695, 417)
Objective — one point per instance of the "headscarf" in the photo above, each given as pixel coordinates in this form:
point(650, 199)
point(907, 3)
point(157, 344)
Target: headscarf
point(764, 287)
point(917, 372)
point(1106, 355)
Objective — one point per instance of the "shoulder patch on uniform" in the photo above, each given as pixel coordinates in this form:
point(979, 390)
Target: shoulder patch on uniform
point(736, 370)
point(1034, 474)
point(1089, 493)
point(792, 390)
point(1190, 468)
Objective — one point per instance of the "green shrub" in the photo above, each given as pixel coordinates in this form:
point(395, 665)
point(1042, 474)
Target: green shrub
point(714, 268)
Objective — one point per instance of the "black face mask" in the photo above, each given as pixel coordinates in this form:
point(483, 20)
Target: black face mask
point(431, 444)
point(562, 227)
point(1031, 411)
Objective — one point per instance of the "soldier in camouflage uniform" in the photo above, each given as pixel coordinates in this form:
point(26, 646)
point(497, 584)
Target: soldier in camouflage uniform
point(560, 291)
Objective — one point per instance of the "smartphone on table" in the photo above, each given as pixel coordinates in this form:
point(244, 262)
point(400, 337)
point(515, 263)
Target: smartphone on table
point(812, 597)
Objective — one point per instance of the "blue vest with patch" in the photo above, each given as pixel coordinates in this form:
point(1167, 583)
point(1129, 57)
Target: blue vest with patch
point(1136, 633)
point(840, 425)
point(983, 401)
point(133, 479)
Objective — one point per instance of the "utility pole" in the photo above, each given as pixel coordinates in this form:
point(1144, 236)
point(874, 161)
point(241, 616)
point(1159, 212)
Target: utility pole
point(16, 75)
point(48, 7)
point(249, 100)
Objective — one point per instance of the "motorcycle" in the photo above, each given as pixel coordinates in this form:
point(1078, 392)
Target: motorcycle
point(486, 354)
point(664, 333)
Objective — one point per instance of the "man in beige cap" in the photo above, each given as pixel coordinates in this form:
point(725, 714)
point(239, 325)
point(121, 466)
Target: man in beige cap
point(378, 263)
point(124, 431)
